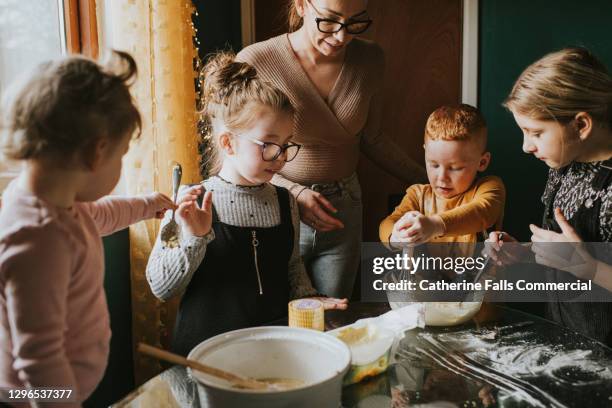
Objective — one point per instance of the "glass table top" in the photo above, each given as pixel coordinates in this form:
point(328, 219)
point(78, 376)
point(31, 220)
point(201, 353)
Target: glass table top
point(503, 358)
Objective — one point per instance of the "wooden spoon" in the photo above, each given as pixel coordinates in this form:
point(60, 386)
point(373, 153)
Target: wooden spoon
point(236, 380)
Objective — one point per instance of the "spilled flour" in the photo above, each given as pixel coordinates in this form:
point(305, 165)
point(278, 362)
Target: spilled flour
point(525, 358)
point(518, 363)
point(573, 367)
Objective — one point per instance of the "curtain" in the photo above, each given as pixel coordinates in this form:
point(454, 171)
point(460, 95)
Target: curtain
point(160, 36)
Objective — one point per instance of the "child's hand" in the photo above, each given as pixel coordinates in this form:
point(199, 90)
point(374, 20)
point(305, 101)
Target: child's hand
point(424, 228)
point(568, 252)
point(332, 303)
point(400, 228)
point(512, 253)
point(194, 220)
point(416, 228)
point(161, 202)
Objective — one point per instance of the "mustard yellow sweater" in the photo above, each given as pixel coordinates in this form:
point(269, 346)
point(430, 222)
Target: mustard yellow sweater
point(464, 215)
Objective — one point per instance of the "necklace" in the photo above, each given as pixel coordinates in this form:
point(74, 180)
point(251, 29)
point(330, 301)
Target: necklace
point(239, 185)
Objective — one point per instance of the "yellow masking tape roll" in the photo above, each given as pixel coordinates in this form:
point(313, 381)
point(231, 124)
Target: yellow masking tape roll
point(307, 313)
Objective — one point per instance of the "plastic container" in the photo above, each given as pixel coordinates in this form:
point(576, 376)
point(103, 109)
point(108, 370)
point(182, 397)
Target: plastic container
point(370, 348)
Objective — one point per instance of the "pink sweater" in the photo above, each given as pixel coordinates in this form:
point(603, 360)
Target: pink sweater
point(54, 322)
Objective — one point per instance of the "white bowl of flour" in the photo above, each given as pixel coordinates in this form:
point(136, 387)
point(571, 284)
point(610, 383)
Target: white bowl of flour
point(445, 313)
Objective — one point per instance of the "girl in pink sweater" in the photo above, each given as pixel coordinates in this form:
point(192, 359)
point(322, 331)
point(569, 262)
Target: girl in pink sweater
point(70, 125)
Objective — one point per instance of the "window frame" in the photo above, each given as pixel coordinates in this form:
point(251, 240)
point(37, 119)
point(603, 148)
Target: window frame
point(80, 27)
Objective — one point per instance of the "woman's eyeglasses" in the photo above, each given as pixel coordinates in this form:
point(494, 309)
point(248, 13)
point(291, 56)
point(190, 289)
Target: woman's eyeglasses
point(329, 26)
point(332, 26)
point(272, 151)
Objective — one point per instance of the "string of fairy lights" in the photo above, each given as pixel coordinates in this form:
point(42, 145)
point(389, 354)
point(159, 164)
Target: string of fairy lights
point(204, 135)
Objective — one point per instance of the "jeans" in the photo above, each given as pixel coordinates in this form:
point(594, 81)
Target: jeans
point(332, 258)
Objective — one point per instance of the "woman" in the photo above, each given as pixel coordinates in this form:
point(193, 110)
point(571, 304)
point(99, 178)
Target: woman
point(563, 105)
point(334, 80)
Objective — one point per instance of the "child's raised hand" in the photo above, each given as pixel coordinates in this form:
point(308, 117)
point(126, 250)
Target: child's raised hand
point(194, 220)
point(161, 202)
point(189, 193)
point(568, 252)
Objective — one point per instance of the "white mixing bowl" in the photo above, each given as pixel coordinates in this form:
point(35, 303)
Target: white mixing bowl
point(445, 313)
point(317, 359)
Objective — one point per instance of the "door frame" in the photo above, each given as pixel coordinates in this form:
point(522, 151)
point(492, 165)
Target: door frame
point(469, 71)
point(247, 21)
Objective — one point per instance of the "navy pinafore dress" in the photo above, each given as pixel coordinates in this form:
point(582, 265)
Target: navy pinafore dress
point(242, 281)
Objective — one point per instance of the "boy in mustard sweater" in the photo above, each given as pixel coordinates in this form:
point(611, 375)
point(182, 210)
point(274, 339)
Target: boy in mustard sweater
point(456, 205)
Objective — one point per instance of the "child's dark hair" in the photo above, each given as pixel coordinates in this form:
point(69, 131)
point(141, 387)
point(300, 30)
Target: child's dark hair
point(232, 92)
point(66, 106)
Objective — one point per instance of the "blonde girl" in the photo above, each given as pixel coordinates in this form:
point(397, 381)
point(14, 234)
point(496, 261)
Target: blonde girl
point(563, 105)
point(238, 263)
point(69, 124)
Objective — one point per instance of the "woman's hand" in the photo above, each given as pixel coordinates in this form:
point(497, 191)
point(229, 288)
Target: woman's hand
point(194, 220)
point(314, 208)
point(332, 303)
point(571, 257)
point(161, 202)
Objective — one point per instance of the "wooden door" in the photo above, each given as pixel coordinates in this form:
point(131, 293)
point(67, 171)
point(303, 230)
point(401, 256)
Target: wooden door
point(270, 18)
point(422, 42)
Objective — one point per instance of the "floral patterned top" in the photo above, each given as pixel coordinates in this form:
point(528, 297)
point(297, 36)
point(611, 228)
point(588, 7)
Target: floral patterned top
point(574, 190)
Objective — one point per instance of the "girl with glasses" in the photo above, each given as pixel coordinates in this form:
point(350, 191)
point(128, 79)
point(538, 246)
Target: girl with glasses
point(333, 79)
point(238, 262)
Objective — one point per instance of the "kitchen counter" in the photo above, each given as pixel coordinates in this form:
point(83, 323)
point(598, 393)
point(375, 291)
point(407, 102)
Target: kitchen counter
point(503, 358)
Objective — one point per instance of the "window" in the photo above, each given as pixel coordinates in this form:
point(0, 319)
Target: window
point(32, 31)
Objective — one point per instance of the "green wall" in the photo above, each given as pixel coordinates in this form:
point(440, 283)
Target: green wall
point(218, 24)
point(513, 34)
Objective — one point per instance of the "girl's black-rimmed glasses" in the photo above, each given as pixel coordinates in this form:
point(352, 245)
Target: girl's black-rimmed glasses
point(272, 151)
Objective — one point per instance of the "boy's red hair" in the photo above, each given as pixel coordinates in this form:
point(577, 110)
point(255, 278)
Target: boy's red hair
point(461, 122)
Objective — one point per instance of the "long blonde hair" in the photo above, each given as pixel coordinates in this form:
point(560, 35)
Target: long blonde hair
point(562, 84)
point(232, 92)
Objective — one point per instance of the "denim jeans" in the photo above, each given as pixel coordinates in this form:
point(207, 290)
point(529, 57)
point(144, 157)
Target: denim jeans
point(332, 258)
